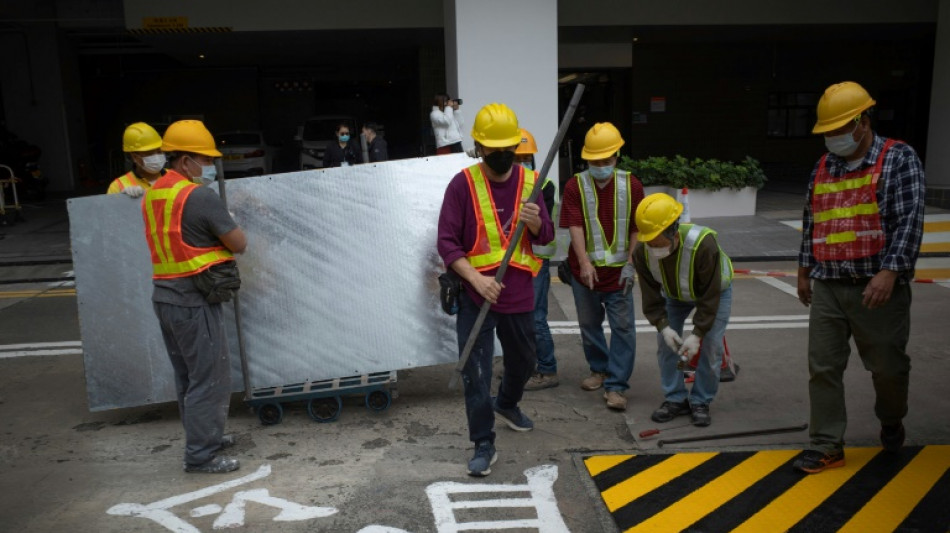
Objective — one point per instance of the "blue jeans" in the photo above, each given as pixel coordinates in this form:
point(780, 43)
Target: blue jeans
point(547, 364)
point(617, 360)
point(706, 384)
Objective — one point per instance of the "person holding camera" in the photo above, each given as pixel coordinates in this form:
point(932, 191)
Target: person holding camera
point(446, 125)
point(192, 237)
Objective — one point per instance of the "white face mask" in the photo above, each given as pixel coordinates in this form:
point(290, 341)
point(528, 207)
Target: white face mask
point(153, 163)
point(661, 252)
point(843, 145)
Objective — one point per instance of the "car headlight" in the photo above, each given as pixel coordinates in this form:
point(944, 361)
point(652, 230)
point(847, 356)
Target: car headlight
point(313, 152)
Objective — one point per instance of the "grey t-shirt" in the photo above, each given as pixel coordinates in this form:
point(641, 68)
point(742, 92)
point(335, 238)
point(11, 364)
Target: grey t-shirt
point(203, 219)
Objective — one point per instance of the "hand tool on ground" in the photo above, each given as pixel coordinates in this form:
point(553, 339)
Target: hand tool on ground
point(653, 431)
point(237, 310)
point(734, 435)
point(519, 231)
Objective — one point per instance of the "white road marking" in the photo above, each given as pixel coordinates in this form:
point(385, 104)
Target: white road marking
point(25, 353)
point(39, 345)
point(780, 285)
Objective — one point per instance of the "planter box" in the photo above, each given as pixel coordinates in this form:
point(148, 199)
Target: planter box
point(653, 189)
point(721, 203)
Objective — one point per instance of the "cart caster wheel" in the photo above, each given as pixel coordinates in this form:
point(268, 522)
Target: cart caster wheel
point(270, 414)
point(325, 409)
point(378, 400)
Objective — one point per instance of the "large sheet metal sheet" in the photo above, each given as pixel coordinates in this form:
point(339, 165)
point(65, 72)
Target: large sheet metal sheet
point(339, 278)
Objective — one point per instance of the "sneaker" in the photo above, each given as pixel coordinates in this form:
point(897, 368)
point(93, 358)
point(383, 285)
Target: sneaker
point(218, 465)
point(892, 437)
point(727, 374)
point(594, 382)
point(485, 456)
point(700, 415)
point(515, 419)
point(670, 410)
point(541, 381)
point(228, 440)
point(616, 400)
point(813, 461)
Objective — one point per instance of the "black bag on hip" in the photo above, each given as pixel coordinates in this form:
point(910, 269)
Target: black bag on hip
point(450, 284)
point(564, 272)
point(219, 282)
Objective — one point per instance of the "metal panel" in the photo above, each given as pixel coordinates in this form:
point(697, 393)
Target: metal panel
point(339, 278)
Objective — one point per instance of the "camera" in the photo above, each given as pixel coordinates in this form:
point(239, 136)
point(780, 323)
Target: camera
point(458, 101)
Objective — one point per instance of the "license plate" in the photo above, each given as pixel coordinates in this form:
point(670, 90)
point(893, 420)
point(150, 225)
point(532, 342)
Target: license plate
point(232, 157)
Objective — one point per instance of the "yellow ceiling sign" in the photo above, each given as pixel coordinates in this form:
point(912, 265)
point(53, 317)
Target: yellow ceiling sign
point(164, 23)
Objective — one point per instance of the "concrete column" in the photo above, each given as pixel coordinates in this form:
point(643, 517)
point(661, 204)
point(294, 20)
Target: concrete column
point(937, 165)
point(506, 52)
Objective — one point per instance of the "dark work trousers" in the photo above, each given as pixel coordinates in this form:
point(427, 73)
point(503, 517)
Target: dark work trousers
point(516, 333)
point(198, 350)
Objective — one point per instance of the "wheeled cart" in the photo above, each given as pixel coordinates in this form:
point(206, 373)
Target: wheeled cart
point(324, 398)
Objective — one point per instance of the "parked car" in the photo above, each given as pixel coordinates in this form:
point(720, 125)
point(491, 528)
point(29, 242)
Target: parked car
point(316, 133)
point(244, 153)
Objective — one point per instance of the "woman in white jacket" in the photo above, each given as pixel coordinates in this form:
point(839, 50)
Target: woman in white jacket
point(446, 125)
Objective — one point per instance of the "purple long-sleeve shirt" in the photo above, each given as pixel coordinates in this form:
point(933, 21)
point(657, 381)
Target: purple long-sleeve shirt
point(457, 231)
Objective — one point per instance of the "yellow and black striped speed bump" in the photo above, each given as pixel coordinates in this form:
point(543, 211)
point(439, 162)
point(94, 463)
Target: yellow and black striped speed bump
point(760, 491)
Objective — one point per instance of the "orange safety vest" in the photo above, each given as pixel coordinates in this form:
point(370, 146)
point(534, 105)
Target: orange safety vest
point(129, 179)
point(847, 219)
point(491, 241)
point(162, 208)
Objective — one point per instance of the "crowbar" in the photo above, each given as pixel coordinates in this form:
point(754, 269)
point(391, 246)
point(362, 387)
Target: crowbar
point(737, 434)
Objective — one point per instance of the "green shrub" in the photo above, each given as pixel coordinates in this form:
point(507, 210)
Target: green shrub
point(680, 172)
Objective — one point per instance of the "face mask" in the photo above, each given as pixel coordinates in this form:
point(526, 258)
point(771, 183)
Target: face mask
point(843, 145)
point(660, 252)
point(344, 138)
point(153, 163)
point(601, 173)
point(208, 174)
point(528, 165)
point(500, 161)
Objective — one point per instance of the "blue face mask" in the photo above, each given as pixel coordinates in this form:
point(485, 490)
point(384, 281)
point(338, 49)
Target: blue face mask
point(208, 174)
point(528, 165)
point(601, 173)
point(344, 138)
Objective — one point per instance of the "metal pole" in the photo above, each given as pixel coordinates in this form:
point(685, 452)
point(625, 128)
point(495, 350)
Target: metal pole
point(737, 434)
point(245, 373)
point(519, 231)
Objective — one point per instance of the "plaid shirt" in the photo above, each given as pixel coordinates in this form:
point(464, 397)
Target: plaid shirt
point(900, 197)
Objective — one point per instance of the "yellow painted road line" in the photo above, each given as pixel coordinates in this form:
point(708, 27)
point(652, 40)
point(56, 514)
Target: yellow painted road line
point(680, 515)
point(932, 273)
point(657, 475)
point(935, 247)
point(39, 294)
point(936, 226)
point(891, 505)
point(794, 504)
point(601, 463)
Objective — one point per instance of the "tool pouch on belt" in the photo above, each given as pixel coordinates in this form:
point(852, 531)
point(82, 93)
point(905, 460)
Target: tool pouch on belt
point(449, 286)
point(219, 282)
point(564, 272)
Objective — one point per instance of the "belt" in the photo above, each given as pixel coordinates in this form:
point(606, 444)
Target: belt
point(851, 280)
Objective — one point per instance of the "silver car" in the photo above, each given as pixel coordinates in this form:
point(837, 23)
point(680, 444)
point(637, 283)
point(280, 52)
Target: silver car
point(244, 153)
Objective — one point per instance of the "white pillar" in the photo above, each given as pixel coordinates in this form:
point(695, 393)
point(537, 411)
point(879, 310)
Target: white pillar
point(506, 52)
point(938, 157)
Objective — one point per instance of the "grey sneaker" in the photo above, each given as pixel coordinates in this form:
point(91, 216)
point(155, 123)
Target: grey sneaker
point(670, 410)
point(485, 456)
point(541, 381)
point(218, 465)
point(701, 416)
point(515, 419)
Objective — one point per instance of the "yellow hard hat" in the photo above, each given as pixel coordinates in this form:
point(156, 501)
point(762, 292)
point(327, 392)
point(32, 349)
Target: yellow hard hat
point(841, 103)
point(602, 141)
point(527, 146)
point(654, 214)
point(140, 137)
point(189, 136)
point(496, 126)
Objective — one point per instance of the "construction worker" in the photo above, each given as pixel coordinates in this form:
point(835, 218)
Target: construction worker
point(598, 207)
point(682, 268)
point(189, 232)
point(545, 375)
point(861, 234)
point(482, 207)
point(144, 146)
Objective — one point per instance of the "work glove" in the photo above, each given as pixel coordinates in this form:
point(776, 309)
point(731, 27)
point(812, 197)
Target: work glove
point(133, 191)
point(690, 346)
point(471, 153)
point(627, 277)
point(672, 339)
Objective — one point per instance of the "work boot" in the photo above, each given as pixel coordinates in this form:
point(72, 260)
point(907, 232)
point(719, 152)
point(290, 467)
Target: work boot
point(616, 400)
point(541, 381)
point(594, 382)
point(670, 410)
point(813, 461)
point(892, 437)
point(515, 419)
point(218, 465)
point(485, 456)
point(700, 415)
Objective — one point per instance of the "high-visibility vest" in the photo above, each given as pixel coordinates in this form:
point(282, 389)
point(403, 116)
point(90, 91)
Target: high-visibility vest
point(547, 251)
point(847, 219)
point(690, 237)
point(600, 252)
point(491, 241)
point(162, 209)
point(129, 179)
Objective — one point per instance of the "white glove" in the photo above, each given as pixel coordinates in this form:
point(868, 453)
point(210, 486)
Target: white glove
point(691, 346)
point(133, 191)
point(627, 277)
point(672, 339)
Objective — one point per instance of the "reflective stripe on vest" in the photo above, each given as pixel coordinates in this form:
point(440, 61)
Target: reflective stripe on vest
point(162, 209)
point(547, 251)
point(129, 179)
point(491, 241)
point(598, 250)
point(847, 220)
point(691, 236)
